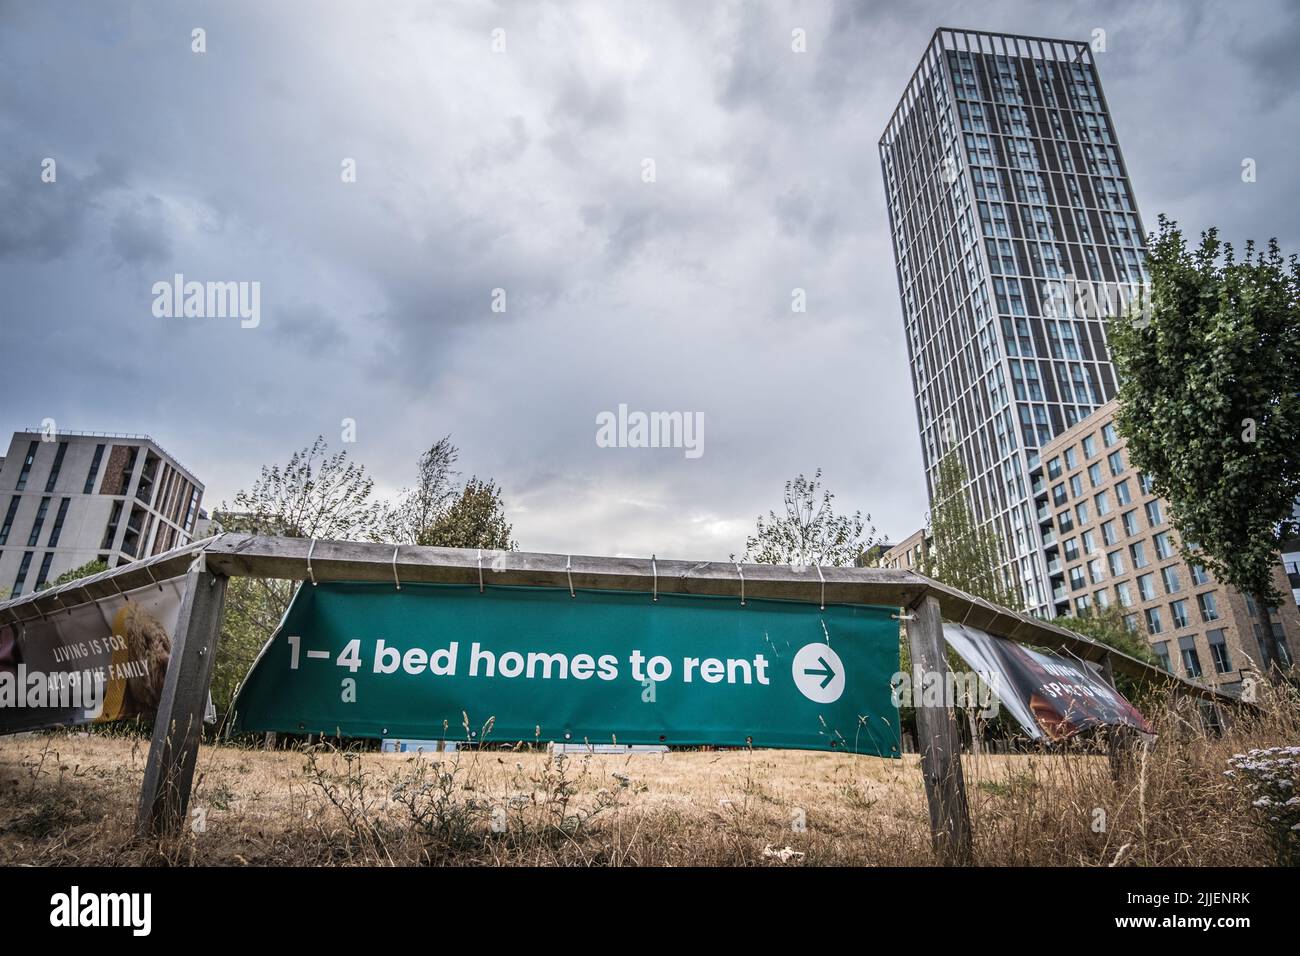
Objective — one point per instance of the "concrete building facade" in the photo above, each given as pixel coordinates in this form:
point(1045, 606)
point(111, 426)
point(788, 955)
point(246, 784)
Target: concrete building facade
point(73, 497)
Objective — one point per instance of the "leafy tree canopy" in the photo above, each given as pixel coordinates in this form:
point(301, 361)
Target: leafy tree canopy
point(809, 532)
point(964, 553)
point(314, 495)
point(1210, 399)
point(475, 518)
point(86, 570)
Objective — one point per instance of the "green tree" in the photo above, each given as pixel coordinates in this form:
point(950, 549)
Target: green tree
point(94, 566)
point(1209, 394)
point(439, 513)
point(476, 518)
point(314, 495)
point(809, 532)
point(417, 509)
point(964, 553)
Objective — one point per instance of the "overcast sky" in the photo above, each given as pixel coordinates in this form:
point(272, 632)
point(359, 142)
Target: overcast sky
point(522, 170)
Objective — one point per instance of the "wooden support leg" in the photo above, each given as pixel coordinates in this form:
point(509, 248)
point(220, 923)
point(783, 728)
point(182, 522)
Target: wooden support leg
point(168, 775)
point(938, 742)
point(1119, 739)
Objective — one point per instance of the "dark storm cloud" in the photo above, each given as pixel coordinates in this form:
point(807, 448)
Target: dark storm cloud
point(523, 171)
point(309, 327)
point(42, 219)
point(1273, 57)
point(139, 234)
point(36, 222)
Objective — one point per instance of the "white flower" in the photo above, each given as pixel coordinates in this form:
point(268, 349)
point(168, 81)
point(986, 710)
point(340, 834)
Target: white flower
point(785, 854)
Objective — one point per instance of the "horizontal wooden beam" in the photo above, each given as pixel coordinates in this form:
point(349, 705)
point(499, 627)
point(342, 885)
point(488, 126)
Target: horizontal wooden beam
point(259, 556)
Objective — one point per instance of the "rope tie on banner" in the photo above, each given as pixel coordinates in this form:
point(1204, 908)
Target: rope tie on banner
point(823, 581)
point(396, 579)
point(480, 570)
point(568, 570)
point(741, 572)
point(310, 573)
point(149, 571)
point(654, 572)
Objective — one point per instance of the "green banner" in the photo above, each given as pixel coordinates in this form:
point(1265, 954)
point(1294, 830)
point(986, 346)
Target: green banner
point(368, 660)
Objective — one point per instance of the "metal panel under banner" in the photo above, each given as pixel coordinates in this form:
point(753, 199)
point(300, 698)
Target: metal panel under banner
point(1049, 695)
point(97, 662)
point(535, 664)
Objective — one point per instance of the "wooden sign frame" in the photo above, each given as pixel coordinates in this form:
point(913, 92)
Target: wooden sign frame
point(208, 565)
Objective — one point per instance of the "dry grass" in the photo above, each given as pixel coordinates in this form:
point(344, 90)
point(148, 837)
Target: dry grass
point(68, 798)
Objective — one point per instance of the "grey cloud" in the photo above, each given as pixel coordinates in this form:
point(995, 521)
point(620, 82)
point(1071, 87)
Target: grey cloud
point(1274, 57)
point(40, 220)
point(305, 327)
point(139, 234)
point(588, 104)
point(634, 227)
point(802, 214)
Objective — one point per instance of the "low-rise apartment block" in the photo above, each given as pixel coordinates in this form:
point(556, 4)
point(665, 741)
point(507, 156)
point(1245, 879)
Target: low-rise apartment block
point(73, 497)
point(910, 554)
point(1108, 541)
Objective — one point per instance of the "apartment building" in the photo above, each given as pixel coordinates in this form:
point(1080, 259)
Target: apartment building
point(1005, 183)
point(1108, 541)
point(1291, 561)
point(72, 497)
point(910, 554)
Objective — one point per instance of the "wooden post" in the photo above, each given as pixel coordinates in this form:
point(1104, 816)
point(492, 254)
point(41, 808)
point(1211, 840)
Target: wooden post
point(1119, 738)
point(937, 739)
point(178, 726)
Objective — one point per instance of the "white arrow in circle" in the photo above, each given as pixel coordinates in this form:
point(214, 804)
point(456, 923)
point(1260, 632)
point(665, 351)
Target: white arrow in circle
point(818, 673)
